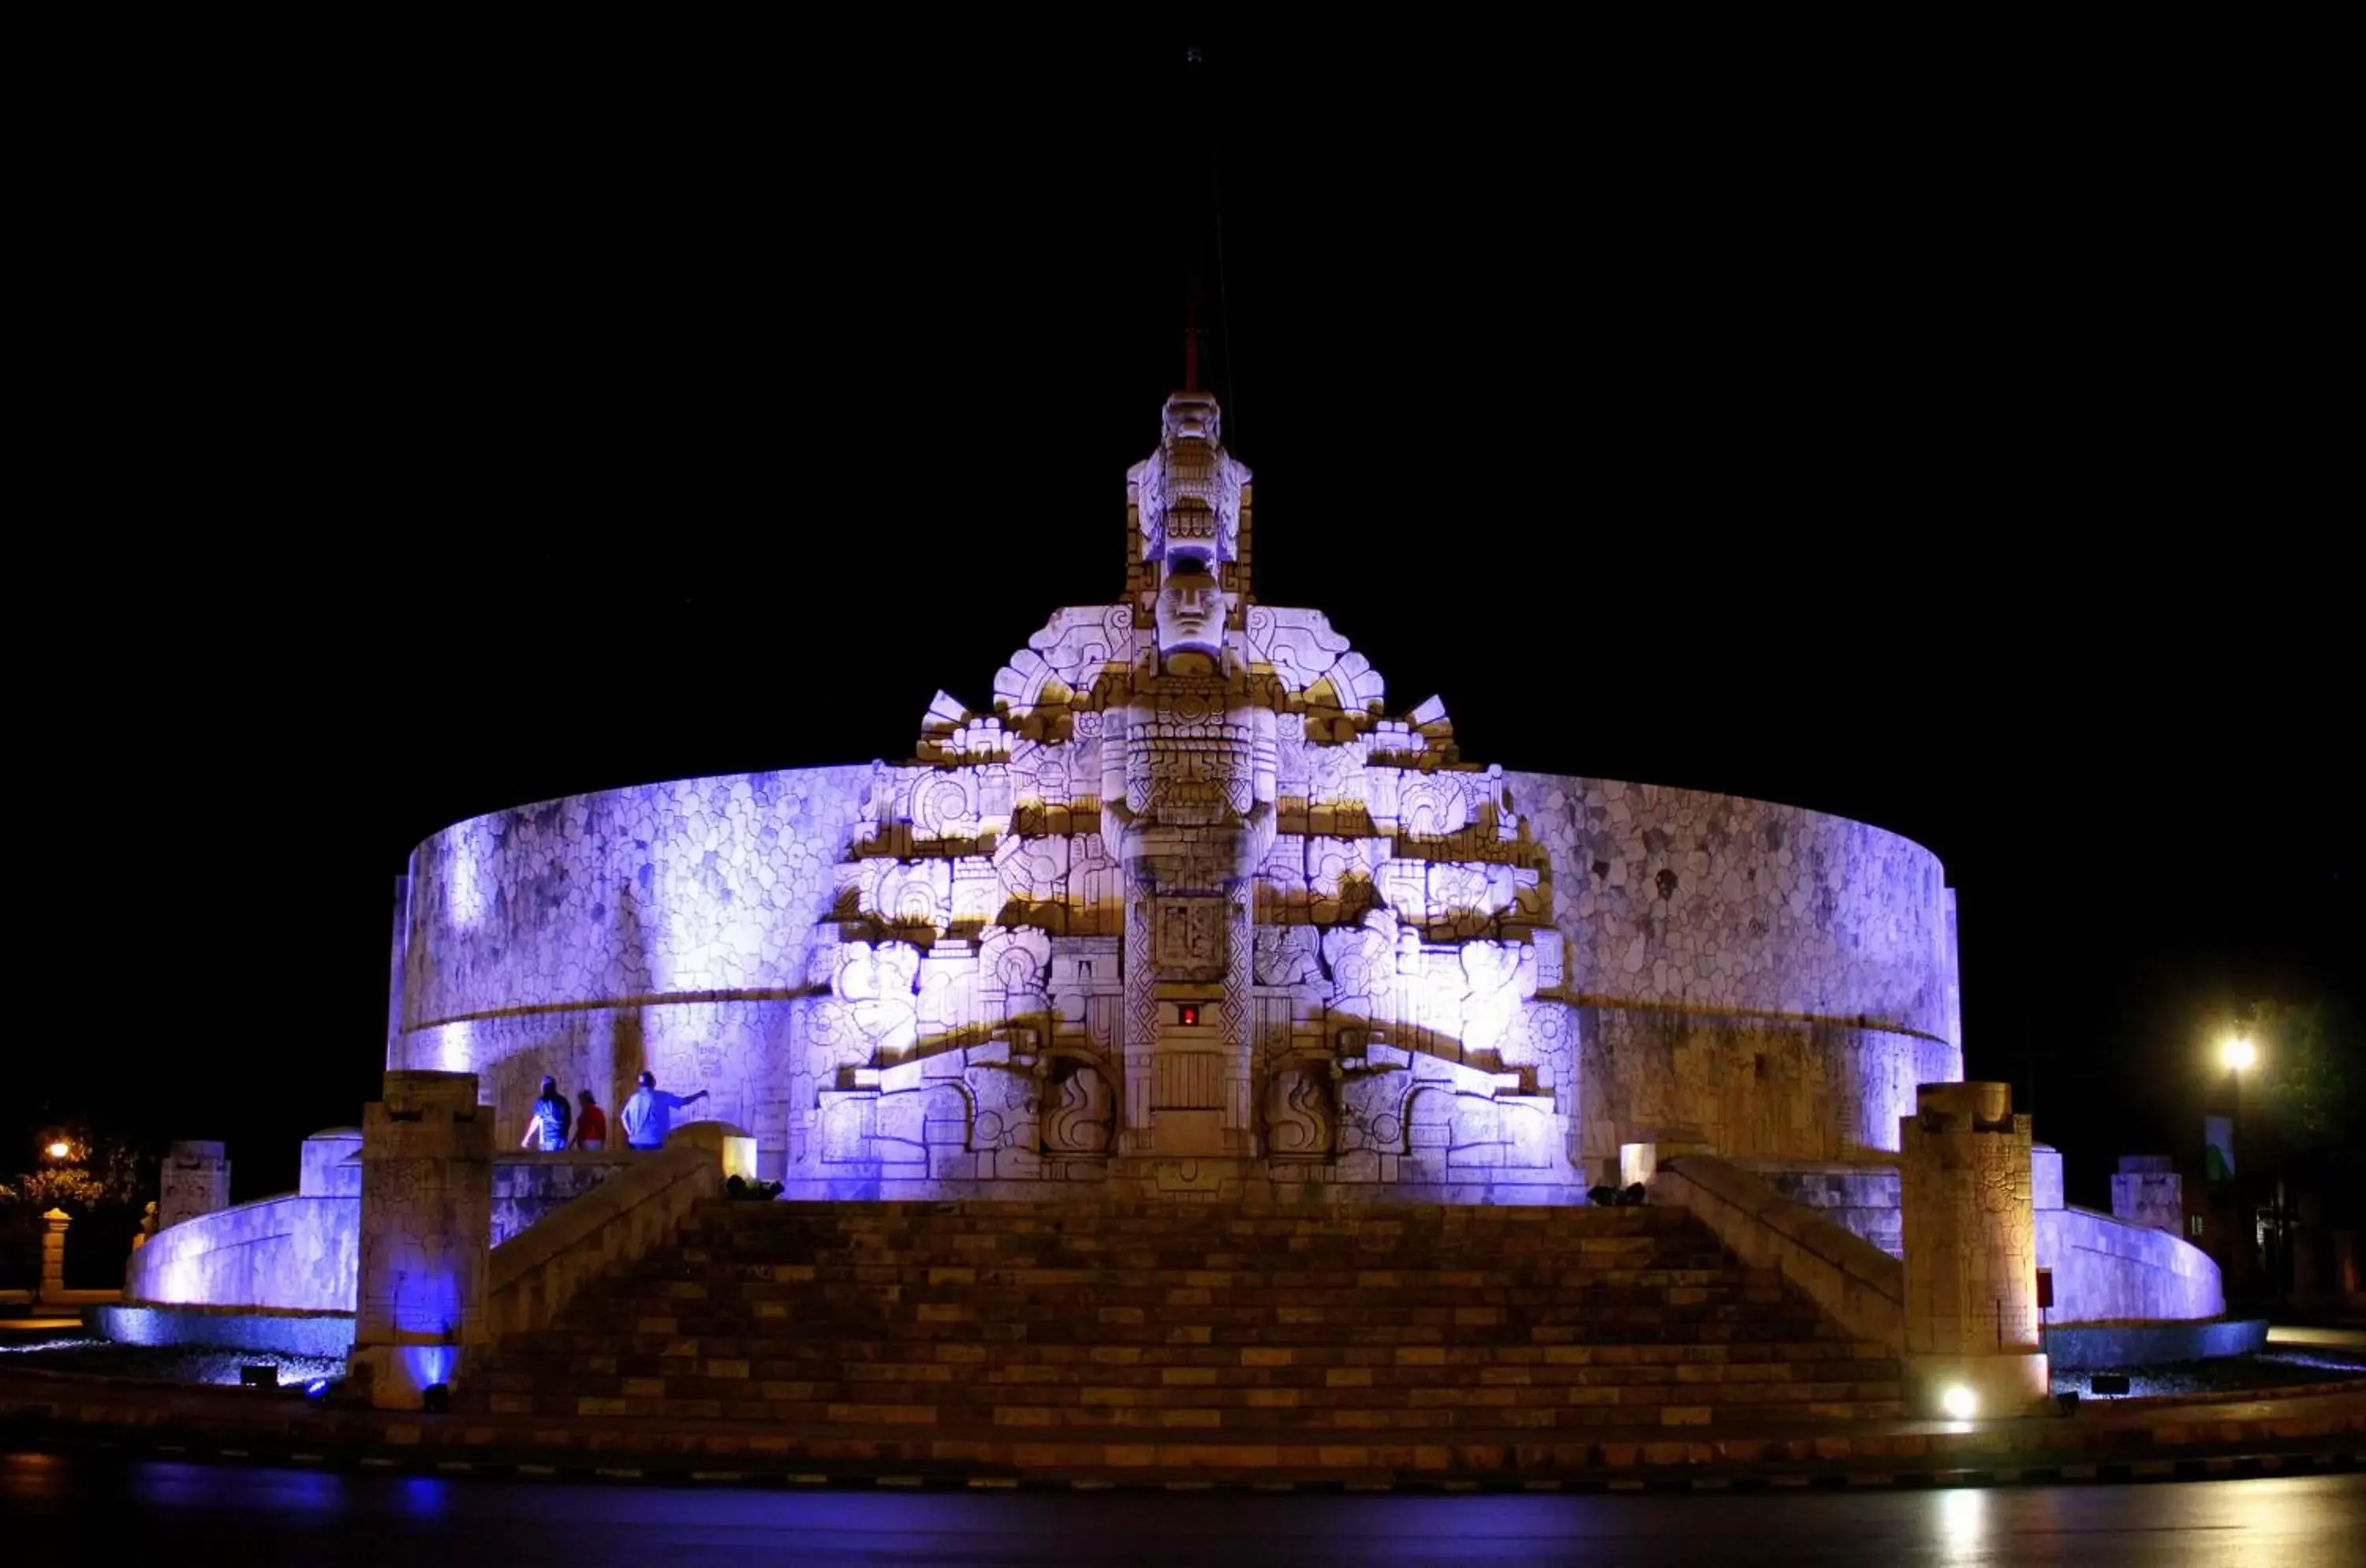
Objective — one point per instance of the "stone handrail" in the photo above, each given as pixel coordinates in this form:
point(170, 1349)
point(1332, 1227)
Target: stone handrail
point(1857, 1283)
point(536, 1272)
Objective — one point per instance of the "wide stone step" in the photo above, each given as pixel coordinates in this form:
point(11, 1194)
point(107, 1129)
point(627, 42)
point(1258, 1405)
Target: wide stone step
point(717, 1376)
point(1251, 1409)
point(1085, 1211)
point(988, 1318)
point(1247, 1238)
point(1218, 1268)
point(717, 1297)
point(992, 1318)
point(601, 1352)
point(732, 1229)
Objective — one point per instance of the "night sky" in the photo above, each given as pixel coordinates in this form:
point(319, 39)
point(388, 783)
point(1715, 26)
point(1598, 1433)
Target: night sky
point(1962, 457)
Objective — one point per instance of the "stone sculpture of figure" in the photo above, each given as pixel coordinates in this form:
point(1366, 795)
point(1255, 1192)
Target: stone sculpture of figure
point(1191, 608)
point(1191, 488)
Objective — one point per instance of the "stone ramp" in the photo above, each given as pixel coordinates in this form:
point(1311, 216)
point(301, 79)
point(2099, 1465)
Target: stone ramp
point(1013, 1322)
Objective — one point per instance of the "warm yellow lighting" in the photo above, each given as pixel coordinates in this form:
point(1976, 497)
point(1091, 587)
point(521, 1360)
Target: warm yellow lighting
point(1959, 1403)
point(2239, 1054)
point(61, 1150)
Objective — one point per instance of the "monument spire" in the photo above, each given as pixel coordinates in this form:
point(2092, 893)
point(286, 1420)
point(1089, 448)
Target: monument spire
point(1207, 242)
point(1191, 333)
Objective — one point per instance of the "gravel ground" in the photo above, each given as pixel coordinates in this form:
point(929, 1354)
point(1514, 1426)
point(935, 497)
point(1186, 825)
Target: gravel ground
point(166, 1363)
point(2268, 1370)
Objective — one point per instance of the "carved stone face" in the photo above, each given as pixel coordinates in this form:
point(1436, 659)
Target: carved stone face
point(1192, 416)
point(1191, 608)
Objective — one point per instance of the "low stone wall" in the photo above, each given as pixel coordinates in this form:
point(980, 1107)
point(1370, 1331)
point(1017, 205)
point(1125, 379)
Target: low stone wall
point(1861, 1286)
point(2108, 1270)
point(528, 1186)
point(1860, 1199)
point(2079, 1346)
point(291, 1253)
point(301, 1252)
point(536, 1272)
point(229, 1329)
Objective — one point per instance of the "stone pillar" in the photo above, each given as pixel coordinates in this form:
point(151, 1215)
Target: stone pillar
point(2148, 1192)
point(1240, 1017)
point(53, 1254)
point(196, 1180)
point(426, 1234)
point(1970, 1237)
point(1137, 1045)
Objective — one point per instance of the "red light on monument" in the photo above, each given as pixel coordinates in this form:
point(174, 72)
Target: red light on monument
point(1190, 1014)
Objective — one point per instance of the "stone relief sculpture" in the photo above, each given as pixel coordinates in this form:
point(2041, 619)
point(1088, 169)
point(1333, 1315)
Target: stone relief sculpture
point(1294, 934)
point(1298, 1115)
point(1081, 1115)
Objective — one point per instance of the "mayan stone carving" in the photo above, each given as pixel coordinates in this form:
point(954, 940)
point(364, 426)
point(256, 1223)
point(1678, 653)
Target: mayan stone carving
point(1185, 840)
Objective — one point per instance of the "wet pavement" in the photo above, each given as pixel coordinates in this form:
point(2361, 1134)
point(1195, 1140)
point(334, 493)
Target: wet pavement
point(57, 1507)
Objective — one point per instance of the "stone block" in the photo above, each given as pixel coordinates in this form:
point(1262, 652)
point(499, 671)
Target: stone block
point(427, 1217)
point(331, 1164)
point(2044, 1177)
point(194, 1180)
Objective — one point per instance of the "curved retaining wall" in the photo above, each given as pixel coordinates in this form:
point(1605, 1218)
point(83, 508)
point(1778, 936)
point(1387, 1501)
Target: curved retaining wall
point(2106, 1269)
point(301, 1252)
point(1776, 979)
point(292, 1252)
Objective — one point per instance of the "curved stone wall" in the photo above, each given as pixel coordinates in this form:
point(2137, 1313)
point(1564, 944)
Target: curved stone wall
point(290, 1253)
point(1775, 979)
point(1715, 904)
point(2107, 1271)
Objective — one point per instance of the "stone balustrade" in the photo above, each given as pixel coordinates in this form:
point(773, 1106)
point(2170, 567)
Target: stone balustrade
point(1861, 1286)
point(536, 1272)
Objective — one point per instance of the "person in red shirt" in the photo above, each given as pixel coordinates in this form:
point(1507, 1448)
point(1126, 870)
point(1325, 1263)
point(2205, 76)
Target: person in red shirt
point(591, 1124)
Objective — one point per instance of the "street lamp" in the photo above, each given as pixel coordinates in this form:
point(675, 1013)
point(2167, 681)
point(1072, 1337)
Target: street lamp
point(59, 1149)
point(2239, 1055)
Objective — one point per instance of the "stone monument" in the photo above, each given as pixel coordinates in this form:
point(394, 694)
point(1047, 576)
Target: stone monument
point(2147, 1190)
point(195, 1180)
point(1187, 907)
point(426, 1212)
point(1970, 1237)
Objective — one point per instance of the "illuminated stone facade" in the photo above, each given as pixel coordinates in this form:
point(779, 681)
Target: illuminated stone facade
point(1185, 908)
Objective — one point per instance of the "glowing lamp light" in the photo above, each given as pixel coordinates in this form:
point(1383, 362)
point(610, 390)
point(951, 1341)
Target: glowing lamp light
point(2239, 1054)
point(1960, 1403)
point(60, 1149)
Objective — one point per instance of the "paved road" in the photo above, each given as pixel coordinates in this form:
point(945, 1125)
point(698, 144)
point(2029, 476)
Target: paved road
point(68, 1509)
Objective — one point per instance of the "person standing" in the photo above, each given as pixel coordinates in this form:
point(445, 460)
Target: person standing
point(649, 1115)
point(591, 1124)
point(545, 1128)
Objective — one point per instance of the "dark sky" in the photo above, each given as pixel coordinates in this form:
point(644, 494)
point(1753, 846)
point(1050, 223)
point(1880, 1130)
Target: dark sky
point(1953, 440)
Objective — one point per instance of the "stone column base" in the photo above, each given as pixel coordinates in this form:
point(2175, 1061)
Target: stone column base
point(2016, 1383)
point(397, 1377)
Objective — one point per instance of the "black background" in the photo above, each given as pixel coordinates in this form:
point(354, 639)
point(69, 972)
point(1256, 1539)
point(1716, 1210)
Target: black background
point(1954, 431)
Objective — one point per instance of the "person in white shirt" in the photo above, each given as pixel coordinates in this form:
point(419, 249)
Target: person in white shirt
point(647, 1116)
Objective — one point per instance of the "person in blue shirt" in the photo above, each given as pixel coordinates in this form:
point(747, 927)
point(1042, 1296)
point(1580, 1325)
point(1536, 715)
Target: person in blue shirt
point(647, 1116)
point(545, 1128)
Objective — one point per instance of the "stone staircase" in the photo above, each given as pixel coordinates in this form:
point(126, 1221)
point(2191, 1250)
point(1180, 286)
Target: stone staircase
point(1215, 1323)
